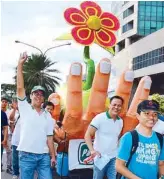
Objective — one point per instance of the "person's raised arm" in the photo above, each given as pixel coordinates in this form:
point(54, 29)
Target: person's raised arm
point(20, 79)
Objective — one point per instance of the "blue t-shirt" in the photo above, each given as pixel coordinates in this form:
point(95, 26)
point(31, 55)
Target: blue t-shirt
point(3, 123)
point(144, 162)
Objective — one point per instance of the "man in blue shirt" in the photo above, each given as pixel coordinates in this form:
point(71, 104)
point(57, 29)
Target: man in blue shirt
point(148, 159)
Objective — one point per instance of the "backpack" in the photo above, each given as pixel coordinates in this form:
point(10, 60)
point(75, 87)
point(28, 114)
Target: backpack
point(135, 141)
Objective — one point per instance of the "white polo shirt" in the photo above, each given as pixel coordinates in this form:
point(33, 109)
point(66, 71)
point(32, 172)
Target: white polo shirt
point(107, 133)
point(35, 128)
point(159, 127)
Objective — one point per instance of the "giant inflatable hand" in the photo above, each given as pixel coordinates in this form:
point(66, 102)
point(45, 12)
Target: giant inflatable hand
point(92, 25)
point(76, 120)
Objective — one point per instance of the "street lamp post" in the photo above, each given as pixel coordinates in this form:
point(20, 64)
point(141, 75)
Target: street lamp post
point(43, 53)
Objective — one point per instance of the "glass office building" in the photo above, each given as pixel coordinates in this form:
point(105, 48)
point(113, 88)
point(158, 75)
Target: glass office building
point(150, 17)
point(148, 59)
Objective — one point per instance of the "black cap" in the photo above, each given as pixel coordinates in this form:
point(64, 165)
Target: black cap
point(148, 105)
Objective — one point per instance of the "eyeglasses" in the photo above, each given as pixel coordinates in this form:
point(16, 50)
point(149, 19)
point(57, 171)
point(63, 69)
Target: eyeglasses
point(148, 114)
point(38, 94)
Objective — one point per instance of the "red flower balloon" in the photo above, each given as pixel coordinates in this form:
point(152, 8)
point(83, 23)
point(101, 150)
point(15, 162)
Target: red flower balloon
point(92, 25)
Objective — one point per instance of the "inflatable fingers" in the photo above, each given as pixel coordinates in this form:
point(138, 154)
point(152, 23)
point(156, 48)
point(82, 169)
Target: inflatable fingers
point(124, 88)
point(73, 113)
point(98, 95)
point(142, 93)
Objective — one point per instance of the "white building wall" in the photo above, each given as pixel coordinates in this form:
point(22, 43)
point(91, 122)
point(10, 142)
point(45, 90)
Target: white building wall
point(121, 36)
point(123, 59)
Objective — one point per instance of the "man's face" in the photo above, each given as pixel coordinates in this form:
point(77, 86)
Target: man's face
point(37, 98)
point(4, 104)
point(49, 109)
point(148, 118)
point(115, 106)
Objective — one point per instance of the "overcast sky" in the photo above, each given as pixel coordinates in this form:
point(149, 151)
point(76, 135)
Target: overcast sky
point(38, 23)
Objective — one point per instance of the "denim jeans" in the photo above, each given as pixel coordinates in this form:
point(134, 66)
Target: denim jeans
point(9, 152)
point(109, 170)
point(1, 155)
point(15, 160)
point(30, 162)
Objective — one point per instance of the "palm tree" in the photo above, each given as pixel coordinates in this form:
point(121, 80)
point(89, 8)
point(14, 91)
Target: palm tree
point(37, 71)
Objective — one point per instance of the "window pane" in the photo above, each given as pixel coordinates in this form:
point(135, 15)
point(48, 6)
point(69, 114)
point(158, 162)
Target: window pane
point(159, 18)
point(159, 3)
point(153, 24)
point(141, 32)
point(154, 9)
point(159, 25)
point(148, 8)
point(147, 24)
point(147, 32)
point(141, 17)
point(153, 3)
point(153, 18)
point(141, 24)
point(147, 18)
point(153, 30)
point(159, 9)
point(148, 2)
point(141, 8)
point(142, 2)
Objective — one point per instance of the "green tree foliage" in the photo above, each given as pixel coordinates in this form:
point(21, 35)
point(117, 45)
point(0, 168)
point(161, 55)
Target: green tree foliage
point(160, 99)
point(38, 71)
point(8, 90)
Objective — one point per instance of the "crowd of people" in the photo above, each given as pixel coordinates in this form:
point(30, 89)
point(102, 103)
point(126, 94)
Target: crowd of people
point(138, 154)
point(27, 134)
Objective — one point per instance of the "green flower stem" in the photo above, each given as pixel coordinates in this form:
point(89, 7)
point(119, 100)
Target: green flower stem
point(90, 69)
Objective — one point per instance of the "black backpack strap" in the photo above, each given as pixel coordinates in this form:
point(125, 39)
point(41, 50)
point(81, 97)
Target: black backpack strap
point(160, 138)
point(135, 140)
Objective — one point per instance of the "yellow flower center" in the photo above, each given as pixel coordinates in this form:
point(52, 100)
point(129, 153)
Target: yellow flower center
point(94, 23)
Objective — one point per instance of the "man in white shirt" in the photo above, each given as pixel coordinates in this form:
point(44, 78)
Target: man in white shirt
point(36, 134)
point(15, 117)
point(106, 128)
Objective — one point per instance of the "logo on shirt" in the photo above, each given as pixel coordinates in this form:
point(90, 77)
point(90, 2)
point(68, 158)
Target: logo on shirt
point(83, 153)
point(147, 153)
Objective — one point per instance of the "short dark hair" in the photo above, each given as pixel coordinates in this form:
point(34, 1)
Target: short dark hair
point(117, 97)
point(48, 103)
point(5, 98)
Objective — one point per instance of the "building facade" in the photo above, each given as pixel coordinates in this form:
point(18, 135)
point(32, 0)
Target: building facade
point(141, 41)
point(137, 19)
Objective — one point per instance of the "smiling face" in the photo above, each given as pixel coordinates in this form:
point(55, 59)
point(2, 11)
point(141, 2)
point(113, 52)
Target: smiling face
point(115, 107)
point(50, 109)
point(37, 98)
point(148, 118)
